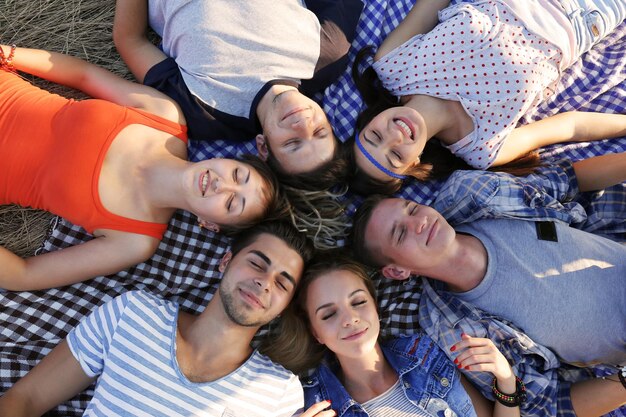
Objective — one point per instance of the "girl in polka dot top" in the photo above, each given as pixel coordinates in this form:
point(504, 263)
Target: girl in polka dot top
point(466, 74)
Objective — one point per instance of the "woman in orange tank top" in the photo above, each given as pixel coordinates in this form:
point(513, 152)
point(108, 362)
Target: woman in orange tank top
point(115, 165)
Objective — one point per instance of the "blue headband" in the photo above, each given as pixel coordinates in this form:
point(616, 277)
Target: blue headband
point(374, 161)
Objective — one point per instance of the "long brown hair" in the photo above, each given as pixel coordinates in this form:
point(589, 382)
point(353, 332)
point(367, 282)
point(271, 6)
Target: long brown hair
point(436, 162)
point(291, 342)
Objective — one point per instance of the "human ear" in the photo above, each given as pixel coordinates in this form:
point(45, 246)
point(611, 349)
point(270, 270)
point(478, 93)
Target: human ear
point(261, 147)
point(213, 227)
point(225, 261)
point(393, 271)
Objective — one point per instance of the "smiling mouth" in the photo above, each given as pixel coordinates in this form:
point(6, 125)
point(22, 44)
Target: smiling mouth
point(251, 299)
point(294, 111)
point(356, 335)
point(406, 128)
point(205, 178)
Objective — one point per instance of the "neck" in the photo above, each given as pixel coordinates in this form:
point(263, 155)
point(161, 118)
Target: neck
point(265, 103)
point(163, 182)
point(210, 346)
point(367, 376)
point(464, 267)
point(445, 119)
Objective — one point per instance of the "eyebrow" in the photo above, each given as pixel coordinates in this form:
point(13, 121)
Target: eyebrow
point(330, 304)
point(268, 261)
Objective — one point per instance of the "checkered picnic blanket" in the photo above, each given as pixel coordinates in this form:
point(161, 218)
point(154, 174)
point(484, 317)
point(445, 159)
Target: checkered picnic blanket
point(184, 267)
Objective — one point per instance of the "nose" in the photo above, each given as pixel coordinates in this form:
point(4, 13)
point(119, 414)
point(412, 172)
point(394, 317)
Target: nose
point(263, 283)
point(350, 319)
point(220, 185)
point(417, 223)
point(303, 124)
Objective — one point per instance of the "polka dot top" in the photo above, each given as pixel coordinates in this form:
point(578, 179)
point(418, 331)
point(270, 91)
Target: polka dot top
point(482, 56)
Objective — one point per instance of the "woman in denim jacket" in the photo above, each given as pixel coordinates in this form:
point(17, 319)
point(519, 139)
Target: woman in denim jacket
point(407, 376)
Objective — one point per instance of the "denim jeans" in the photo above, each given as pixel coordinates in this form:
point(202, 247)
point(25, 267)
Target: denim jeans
point(593, 19)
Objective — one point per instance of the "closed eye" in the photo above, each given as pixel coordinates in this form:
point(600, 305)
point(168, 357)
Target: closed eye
point(236, 178)
point(229, 202)
point(321, 133)
point(328, 315)
point(401, 235)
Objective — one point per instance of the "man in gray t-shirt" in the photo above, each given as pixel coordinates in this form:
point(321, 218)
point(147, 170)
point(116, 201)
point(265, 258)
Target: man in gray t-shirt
point(564, 287)
point(236, 68)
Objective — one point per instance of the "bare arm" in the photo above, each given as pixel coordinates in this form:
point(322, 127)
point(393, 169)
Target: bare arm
point(130, 29)
point(481, 355)
point(94, 81)
point(421, 19)
point(563, 127)
point(597, 397)
point(58, 377)
point(101, 256)
point(600, 172)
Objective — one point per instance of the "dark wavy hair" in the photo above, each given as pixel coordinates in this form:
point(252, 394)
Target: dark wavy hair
point(292, 344)
point(435, 162)
point(324, 177)
point(281, 229)
point(276, 202)
point(357, 239)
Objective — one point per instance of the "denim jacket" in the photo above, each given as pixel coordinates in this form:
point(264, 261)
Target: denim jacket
point(429, 380)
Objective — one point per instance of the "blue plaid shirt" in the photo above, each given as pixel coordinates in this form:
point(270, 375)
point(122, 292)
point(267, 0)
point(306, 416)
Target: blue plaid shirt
point(551, 194)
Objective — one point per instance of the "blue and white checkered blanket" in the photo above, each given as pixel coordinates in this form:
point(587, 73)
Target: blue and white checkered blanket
point(184, 267)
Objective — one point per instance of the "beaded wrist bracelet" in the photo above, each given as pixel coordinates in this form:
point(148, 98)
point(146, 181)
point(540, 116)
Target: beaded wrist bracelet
point(510, 400)
point(7, 62)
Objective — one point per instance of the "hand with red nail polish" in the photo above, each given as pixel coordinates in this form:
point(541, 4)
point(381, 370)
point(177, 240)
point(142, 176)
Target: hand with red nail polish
point(320, 409)
point(480, 354)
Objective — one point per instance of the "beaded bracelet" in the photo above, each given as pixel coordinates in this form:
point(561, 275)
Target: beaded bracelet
point(510, 400)
point(7, 62)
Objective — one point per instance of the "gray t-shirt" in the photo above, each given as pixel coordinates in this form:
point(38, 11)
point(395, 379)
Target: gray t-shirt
point(568, 295)
point(249, 44)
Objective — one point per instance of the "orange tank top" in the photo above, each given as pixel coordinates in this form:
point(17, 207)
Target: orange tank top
point(52, 150)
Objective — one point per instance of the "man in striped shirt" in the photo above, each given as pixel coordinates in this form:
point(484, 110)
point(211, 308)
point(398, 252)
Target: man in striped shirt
point(150, 358)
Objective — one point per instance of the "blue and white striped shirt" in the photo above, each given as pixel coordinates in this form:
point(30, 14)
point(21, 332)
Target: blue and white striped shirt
point(130, 343)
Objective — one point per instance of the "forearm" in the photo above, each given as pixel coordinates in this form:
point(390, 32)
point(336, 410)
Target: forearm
point(588, 126)
point(95, 81)
point(53, 66)
point(12, 270)
point(130, 28)
point(506, 385)
point(600, 172)
point(14, 405)
point(422, 18)
point(596, 397)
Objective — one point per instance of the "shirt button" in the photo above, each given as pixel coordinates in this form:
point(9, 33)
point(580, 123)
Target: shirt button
point(444, 382)
point(407, 385)
point(447, 413)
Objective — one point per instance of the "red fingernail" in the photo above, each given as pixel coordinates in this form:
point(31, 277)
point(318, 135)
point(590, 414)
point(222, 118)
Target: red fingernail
point(453, 348)
point(456, 360)
point(329, 401)
point(463, 334)
point(467, 367)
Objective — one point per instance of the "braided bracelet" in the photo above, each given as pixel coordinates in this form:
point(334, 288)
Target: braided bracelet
point(7, 62)
point(510, 400)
